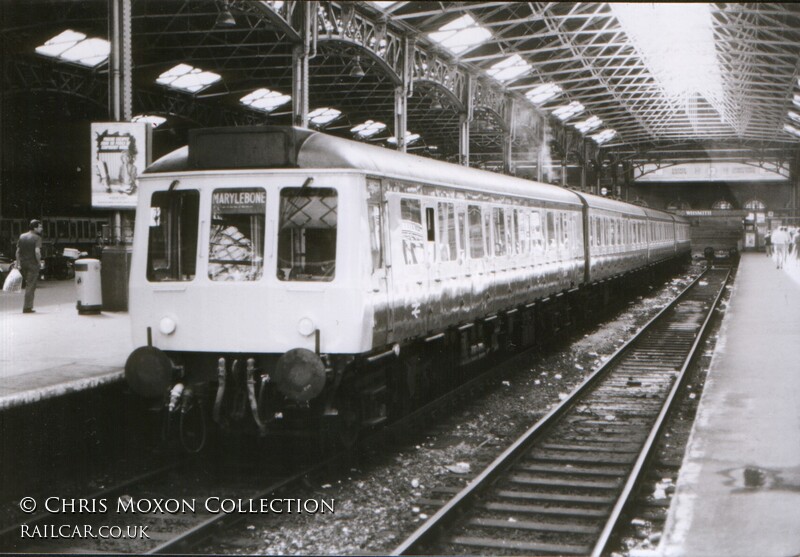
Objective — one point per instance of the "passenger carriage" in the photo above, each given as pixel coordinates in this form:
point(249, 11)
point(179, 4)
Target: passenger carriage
point(322, 274)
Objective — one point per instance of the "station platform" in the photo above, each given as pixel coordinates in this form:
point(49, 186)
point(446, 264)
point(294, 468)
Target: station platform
point(738, 492)
point(55, 351)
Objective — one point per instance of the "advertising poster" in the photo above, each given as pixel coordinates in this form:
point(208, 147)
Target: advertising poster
point(120, 152)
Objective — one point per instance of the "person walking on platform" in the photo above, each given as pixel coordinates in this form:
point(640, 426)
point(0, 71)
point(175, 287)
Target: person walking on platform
point(29, 259)
point(796, 241)
point(768, 243)
point(780, 241)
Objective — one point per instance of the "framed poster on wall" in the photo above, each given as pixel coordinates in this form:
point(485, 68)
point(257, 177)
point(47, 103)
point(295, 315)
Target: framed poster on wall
point(120, 152)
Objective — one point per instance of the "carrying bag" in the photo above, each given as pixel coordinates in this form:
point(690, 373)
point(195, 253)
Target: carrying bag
point(13, 281)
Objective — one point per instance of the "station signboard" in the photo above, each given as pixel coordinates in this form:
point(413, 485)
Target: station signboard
point(120, 152)
point(712, 172)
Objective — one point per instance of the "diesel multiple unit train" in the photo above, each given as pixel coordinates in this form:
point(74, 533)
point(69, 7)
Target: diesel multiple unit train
point(285, 279)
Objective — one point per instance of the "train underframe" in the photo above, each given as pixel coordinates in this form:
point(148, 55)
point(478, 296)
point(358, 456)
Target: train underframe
point(361, 392)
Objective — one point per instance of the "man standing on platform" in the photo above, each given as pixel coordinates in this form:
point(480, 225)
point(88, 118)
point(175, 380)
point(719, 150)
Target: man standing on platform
point(29, 259)
point(780, 242)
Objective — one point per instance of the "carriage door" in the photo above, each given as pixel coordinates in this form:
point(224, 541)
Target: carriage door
point(409, 268)
point(434, 255)
point(379, 282)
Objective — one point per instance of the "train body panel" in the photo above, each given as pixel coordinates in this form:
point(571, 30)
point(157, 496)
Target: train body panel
point(239, 295)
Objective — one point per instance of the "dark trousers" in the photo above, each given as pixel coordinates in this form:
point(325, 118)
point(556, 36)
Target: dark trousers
point(30, 273)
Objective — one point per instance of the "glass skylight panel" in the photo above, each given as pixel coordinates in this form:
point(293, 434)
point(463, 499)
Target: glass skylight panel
point(151, 119)
point(509, 68)
point(265, 100)
point(461, 34)
point(76, 47)
point(794, 116)
point(567, 111)
point(187, 78)
point(677, 43)
point(384, 5)
point(792, 130)
point(368, 129)
point(604, 136)
point(410, 138)
point(589, 124)
point(796, 100)
point(543, 93)
point(274, 4)
point(322, 116)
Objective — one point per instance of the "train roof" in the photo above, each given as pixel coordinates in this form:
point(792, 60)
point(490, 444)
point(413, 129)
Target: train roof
point(250, 147)
point(599, 202)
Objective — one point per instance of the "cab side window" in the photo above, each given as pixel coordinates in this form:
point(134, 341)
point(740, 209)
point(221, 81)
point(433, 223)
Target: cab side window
point(412, 232)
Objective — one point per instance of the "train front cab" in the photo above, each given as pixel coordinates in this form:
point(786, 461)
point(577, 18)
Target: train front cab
point(249, 265)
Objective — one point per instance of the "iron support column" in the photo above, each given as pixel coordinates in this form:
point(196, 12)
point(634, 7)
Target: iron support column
point(400, 113)
point(120, 96)
point(401, 94)
point(464, 120)
point(300, 57)
point(120, 91)
point(584, 166)
point(508, 135)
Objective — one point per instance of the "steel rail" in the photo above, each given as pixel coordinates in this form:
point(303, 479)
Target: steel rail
point(655, 431)
point(445, 514)
point(13, 530)
point(199, 531)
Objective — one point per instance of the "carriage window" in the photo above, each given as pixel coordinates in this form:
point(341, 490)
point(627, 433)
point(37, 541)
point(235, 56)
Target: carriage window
point(523, 221)
point(551, 233)
point(307, 234)
point(412, 233)
point(172, 242)
point(375, 235)
point(461, 215)
point(375, 217)
point(446, 244)
point(476, 250)
point(499, 231)
point(236, 244)
point(509, 230)
point(537, 234)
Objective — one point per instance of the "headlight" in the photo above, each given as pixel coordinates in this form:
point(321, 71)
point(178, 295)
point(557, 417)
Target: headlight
point(305, 326)
point(167, 326)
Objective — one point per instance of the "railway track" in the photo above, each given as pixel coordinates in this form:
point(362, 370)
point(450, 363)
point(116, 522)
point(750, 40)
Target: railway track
point(176, 509)
point(563, 485)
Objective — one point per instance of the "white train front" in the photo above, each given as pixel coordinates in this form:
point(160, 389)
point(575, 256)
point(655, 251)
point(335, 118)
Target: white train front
point(319, 279)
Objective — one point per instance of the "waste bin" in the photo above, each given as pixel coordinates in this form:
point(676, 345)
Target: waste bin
point(87, 281)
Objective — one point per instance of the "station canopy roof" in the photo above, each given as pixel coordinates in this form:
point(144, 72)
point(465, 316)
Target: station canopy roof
point(635, 78)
